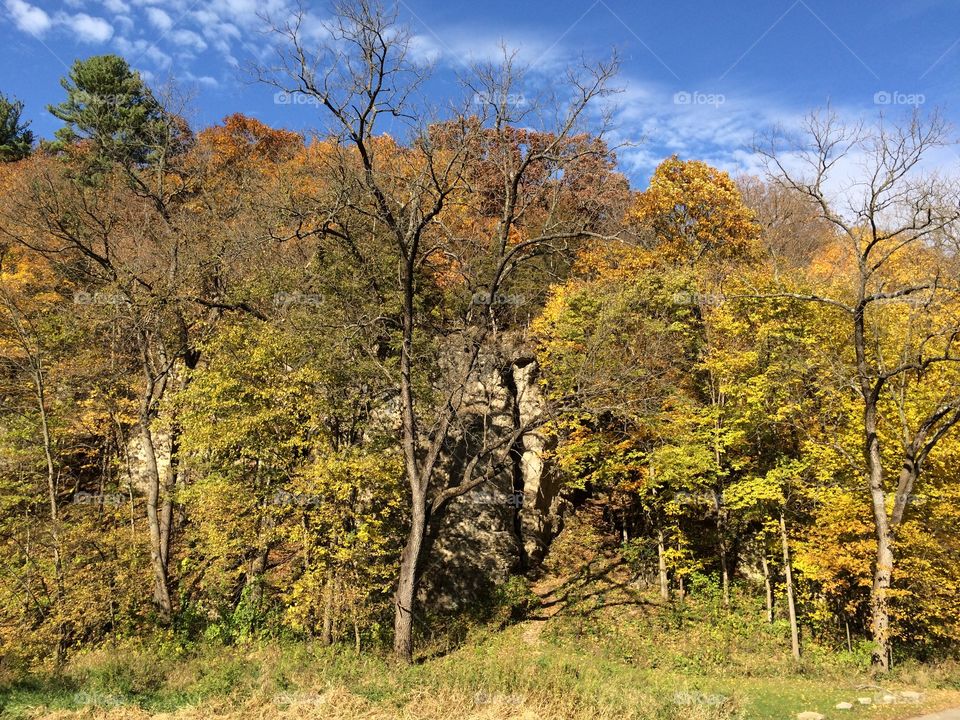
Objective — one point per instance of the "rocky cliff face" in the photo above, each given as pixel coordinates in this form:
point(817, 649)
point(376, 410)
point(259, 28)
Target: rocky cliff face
point(505, 526)
point(137, 458)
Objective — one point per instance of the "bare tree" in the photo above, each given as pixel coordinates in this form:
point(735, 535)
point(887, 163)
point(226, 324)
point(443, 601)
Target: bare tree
point(360, 74)
point(869, 184)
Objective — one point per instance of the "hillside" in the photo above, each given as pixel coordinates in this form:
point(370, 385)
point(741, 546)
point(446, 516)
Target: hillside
point(592, 646)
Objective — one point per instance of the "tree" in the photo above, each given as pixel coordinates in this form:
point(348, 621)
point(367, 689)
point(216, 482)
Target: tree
point(109, 106)
point(16, 140)
point(898, 304)
point(27, 341)
point(401, 195)
point(693, 210)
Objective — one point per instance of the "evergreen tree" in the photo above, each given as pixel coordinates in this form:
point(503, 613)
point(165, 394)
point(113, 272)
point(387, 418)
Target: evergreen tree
point(15, 137)
point(110, 106)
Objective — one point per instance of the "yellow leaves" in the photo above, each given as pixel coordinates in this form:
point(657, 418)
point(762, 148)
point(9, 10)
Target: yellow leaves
point(614, 261)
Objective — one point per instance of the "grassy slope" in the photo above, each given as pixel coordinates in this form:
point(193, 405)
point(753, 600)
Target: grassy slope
point(596, 649)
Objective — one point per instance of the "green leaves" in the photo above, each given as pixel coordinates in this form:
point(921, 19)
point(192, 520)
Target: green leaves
point(109, 106)
point(16, 140)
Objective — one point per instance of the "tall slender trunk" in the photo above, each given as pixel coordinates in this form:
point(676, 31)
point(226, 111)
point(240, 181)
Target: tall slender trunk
point(407, 582)
point(54, 509)
point(725, 575)
point(168, 488)
point(328, 591)
point(723, 551)
point(151, 393)
point(791, 597)
point(717, 400)
point(662, 566)
point(158, 561)
point(356, 624)
point(722, 547)
point(768, 584)
point(681, 590)
point(883, 568)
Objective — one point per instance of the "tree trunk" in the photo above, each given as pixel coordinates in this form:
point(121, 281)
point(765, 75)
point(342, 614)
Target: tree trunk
point(40, 385)
point(356, 625)
point(879, 600)
point(168, 486)
point(768, 585)
point(725, 575)
point(158, 560)
point(883, 570)
point(681, 590)
point(722, 542)
point(791, 597)
point(407, 583)
point(328, 586)
point(662, 567)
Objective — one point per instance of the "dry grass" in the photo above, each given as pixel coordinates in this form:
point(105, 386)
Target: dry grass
point(599, 650)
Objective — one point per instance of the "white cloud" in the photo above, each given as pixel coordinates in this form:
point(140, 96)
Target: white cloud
point(202, 80)
point(86, 28)
point(137, 50)
point(425, 49)
point(117, 7)
point(188, 38)
point(159, 19)
point(28, 18)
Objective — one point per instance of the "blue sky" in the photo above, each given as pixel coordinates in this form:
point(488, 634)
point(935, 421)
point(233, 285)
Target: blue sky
point(699, 78)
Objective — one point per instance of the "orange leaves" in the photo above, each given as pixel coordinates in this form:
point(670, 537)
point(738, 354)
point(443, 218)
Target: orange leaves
point(696, 212)
point(242, 139)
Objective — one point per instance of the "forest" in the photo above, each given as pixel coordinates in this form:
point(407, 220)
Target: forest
point(375, 387)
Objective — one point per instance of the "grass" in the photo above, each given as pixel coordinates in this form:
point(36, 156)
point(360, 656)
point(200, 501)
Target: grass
point(599, 650)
